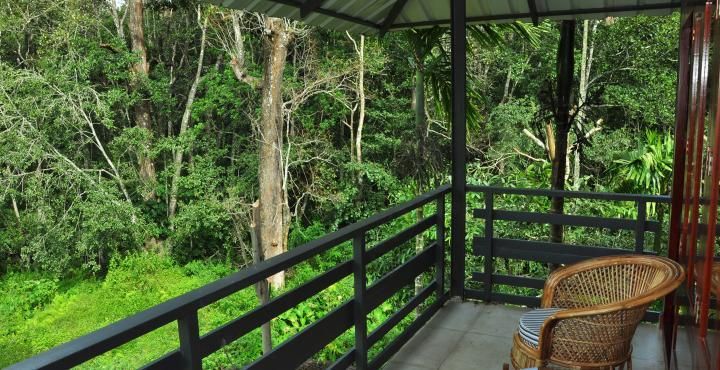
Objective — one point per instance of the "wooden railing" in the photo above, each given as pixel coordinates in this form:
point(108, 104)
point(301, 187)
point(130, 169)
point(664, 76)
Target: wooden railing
point(490, 247)
point(353, 313)
point(313, 338)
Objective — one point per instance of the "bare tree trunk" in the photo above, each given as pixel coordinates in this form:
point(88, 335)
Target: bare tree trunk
point(115, 172)
point(270, 171)
point(351, 126)
point(236, 49)
point(117, 19)
point(361, 97)
point(588, 47)
point(584, 72)
point(16, 211)
point(550, 136)
point(262, 287)
point(506, 91)
point(142, 109)
point(273, 216)
point(576, 149)
point(185, 122)
point(577, 153)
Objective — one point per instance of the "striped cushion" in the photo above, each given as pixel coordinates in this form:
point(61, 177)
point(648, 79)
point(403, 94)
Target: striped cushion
point(531, 322)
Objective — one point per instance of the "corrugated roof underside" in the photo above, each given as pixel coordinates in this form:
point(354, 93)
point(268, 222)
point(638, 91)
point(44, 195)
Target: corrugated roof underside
point(367, 16)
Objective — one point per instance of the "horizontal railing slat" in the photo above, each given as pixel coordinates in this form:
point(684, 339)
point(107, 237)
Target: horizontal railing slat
point(344, 362)
point(91, 345)
point(516, 299)
point(519, 300)
point(516, 281)
point(702, 229)
point(114, 335)
point(255, 318)
point(401, 276)
point(545, 252)
point(570, 194)
point(298, 349)
point(172, 360)
point(398, 210)
point(650, 316)
point(400, 314)
point(400, 238)
point(567, 220)
point(238, 327)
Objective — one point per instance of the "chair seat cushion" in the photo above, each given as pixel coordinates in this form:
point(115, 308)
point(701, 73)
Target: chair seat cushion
point(531, 322)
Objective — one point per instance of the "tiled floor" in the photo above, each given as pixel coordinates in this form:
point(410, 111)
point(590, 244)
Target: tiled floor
point(478, 336)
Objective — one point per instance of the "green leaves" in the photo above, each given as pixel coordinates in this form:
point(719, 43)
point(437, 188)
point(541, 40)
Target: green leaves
point(22, 294)
point(648, 169)
point(431, 54)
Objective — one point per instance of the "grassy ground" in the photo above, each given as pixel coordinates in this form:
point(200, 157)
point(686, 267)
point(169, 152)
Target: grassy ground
point(40, 312)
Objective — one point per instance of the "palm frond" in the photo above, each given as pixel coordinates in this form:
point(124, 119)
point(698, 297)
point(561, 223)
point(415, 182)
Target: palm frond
point(430, 45)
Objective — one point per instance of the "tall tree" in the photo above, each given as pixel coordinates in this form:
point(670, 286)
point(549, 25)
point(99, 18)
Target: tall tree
point(360, 92)
point(142, 110)
point(565, 72)
point(274, 210)
point(277, 151)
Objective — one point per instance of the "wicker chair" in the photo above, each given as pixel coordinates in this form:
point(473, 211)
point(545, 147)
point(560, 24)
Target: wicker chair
point(598, 305)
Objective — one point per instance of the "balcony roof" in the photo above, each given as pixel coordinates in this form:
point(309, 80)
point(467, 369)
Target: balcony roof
point(379, 16)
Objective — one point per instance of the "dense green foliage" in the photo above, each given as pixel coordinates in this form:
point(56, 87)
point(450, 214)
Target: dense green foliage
point(81, 246)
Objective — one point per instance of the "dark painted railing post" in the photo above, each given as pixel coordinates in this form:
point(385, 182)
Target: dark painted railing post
point(440, 236)
point(640, 227)
point(189, 332)
point(459, 141)
point(359, 307)
point(489, 231)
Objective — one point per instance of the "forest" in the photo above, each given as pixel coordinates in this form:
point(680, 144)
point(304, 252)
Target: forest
point(145, 145)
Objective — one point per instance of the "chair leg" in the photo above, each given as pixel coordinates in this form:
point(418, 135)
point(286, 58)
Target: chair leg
point(624, 366)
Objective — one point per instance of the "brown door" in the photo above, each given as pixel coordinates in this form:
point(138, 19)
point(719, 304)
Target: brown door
point(695, 183)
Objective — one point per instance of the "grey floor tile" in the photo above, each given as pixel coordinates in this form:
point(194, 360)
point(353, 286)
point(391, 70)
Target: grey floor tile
point(458, 315)
point(498, 320)
point(480, 352)
point(429, 347)
point(683, 355)
point(639, 364)
point(647, 343)
point(394, 365)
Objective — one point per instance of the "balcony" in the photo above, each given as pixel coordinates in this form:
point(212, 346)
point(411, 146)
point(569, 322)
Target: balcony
point(428, 329)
